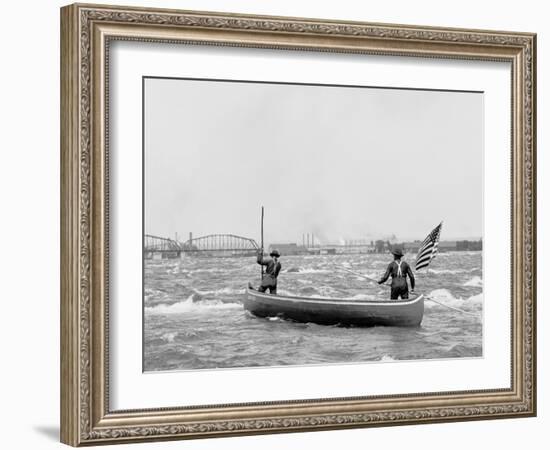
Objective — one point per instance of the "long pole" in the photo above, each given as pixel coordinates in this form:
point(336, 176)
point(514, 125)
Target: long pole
point(358, 274)
point(452, 307)
point(262, 241)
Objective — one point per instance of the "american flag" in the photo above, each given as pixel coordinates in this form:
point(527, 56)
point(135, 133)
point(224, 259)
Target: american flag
point(428, 249)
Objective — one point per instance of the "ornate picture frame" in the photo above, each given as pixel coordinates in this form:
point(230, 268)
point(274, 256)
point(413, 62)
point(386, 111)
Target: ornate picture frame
point(86, 34)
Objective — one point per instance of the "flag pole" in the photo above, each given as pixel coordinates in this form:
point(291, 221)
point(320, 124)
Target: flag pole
point(262, 241)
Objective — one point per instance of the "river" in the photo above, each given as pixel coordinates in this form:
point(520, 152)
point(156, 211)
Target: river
point(194, 318)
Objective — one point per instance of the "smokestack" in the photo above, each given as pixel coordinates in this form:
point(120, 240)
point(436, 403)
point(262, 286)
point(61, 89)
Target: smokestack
point(190, 238)
point(312, 240)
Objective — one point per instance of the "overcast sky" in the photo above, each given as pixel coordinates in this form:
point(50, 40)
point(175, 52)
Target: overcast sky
point(339, 162)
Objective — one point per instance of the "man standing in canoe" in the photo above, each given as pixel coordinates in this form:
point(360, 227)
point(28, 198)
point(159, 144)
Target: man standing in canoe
point(399, 270)
point(273, 267)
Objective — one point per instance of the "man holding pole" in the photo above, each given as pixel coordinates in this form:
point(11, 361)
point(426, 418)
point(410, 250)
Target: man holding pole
point(272, 266)
point(399, 270)
point(272, 269)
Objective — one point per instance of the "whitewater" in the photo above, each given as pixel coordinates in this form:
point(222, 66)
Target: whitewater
point(194, 319)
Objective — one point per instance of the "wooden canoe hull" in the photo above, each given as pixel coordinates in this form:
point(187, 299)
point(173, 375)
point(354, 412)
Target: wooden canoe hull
point(404, 313)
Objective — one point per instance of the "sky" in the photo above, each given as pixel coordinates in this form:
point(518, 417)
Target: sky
point(338, 162)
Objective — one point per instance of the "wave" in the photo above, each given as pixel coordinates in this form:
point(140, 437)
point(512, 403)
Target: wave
point(169, 337)
point(474, 282)
point(362, 297)
point(446, 297)
point(189, 305)
point(375, 275)
point(222, 291)
point(451, 271)
point(361, 274)
point(328, 292)
point(211, 270)
point(462, 350)
point(285, 292)
point(274, 319)
point(149, 294)
point(387, 358)
point(475, 299)
point(306, 270)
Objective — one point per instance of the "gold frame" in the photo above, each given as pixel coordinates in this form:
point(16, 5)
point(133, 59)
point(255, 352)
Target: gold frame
point(86, 31)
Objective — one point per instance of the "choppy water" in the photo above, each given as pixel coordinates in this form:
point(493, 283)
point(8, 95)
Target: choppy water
point(194, 318)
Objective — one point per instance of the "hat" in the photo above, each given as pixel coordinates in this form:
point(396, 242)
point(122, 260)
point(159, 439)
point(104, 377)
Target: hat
point(275, 252)
point(397, 252)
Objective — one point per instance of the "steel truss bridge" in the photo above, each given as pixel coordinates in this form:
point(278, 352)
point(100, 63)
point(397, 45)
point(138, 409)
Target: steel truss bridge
point(210, 245)
point(156, 247)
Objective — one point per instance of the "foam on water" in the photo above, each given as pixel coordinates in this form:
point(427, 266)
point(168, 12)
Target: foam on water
point(474, 282)
point(169, 337)
point(373, 275)
point(222, 291)
point(475, 299)
point(327, 291)
point(312, 270)
point(189, 305)
point(211, 270)
point(195, 318)
point(446, 297)
point(151, 293)
point(285, 292)
point(362, 297)
point(441, 294)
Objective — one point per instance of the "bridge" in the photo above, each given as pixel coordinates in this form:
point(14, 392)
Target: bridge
point(220, 245)
point(156, 247)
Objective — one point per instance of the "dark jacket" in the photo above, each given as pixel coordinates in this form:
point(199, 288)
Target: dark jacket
point(271, 271)
point(393, 270)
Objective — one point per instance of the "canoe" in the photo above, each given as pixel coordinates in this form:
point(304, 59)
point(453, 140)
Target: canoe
point(332, 311)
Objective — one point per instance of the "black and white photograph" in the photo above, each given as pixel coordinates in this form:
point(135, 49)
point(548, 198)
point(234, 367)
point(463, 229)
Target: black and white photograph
point(291, 224)
point(271, 225)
